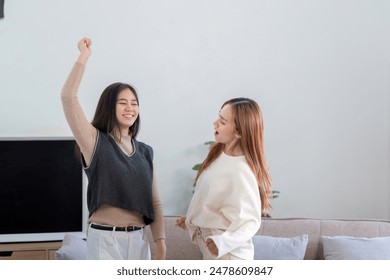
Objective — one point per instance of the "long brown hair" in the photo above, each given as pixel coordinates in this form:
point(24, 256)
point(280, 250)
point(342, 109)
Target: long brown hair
point(248, 121)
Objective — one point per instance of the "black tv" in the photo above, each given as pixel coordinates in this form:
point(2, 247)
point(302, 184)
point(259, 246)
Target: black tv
point(42, 189)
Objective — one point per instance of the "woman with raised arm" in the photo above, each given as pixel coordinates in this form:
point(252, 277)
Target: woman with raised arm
point(233, 185)
point(122, 194)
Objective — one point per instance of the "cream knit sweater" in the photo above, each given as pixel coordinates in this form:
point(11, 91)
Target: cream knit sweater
point(227, 202)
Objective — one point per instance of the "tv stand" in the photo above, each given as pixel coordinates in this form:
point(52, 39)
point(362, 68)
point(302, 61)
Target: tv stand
point(29, 251)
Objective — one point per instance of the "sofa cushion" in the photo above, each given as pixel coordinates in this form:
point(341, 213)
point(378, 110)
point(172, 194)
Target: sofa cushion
point(280, 248)
point(355, 248)
point(73, 248)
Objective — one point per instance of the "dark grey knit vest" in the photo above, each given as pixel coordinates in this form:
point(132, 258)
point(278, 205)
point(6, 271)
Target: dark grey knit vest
point(117, 179)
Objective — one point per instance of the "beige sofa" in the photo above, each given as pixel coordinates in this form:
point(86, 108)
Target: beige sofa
point(179, 246)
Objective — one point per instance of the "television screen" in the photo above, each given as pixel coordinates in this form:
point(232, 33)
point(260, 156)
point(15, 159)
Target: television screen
point(41, 189)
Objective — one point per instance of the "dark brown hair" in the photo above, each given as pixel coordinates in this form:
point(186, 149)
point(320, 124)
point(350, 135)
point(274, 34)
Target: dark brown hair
point(105, 114)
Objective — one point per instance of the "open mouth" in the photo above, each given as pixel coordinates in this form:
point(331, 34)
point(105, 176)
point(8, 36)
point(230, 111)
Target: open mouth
point(128, 116)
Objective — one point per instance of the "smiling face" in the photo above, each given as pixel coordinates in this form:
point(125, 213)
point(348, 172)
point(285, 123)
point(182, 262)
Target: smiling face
point(126, 109)
point(225, 130)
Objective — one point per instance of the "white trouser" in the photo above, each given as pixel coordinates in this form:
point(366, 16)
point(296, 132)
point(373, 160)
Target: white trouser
point(201, 236)
point(117, 245)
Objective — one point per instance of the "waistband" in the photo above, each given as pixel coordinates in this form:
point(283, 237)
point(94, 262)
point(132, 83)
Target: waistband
point(109, 228)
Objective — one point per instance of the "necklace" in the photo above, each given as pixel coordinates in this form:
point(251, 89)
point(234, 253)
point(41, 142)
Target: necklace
point(125, 143)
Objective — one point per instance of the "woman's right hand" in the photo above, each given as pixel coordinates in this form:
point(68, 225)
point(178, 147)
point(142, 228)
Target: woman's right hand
point(181, 223)
point(84, 46)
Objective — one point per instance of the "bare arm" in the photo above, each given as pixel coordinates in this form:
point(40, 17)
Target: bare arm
point(84, 133)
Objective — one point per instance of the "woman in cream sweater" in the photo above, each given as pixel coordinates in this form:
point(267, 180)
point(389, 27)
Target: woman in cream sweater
point(233, 185)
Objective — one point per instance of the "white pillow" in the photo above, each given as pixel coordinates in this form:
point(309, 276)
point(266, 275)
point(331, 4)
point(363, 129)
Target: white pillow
point(355, 248)
point(280, 248)
point(72, 248)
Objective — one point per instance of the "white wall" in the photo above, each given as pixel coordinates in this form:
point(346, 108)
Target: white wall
point(319, 69)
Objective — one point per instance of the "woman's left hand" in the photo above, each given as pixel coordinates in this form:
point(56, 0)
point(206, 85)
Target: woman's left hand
point(161, 250)
point(211, 246)
point(181, 223)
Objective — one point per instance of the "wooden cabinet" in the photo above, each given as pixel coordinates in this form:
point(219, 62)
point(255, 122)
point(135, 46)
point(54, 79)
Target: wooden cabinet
point(29, 251)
